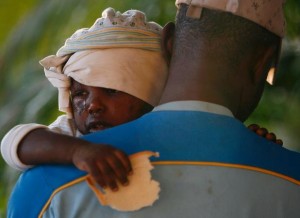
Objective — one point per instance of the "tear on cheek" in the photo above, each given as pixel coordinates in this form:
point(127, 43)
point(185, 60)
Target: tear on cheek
point(79, 107)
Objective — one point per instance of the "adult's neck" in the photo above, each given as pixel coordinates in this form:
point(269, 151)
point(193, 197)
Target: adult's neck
point(200, 81)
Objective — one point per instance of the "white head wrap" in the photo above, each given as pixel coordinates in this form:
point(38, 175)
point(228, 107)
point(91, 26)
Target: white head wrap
point(266, 13)
point(120, 51)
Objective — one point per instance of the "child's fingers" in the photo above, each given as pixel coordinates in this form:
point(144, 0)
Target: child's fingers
point(119, 170)
point(108, 175)
point(271, 136)
point(97, 176)
point(265, 133)
point(253, 127)
point(125, 161)
point(262, 132)
point(279, 142)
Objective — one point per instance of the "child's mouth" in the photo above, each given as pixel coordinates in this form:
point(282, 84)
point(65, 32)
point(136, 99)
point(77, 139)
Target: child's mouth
point(97, 126)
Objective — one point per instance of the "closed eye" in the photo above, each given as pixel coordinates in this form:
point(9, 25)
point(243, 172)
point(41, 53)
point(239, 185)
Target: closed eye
point(79, 93)
point(111, 91)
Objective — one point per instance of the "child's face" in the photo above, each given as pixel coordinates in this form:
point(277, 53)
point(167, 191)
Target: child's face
point(96, 108)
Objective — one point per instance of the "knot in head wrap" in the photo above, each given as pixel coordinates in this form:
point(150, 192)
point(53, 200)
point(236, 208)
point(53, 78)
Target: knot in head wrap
point(119, 51)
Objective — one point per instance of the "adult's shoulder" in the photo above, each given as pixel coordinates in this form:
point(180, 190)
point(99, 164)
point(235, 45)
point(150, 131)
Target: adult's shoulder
point(35, 187)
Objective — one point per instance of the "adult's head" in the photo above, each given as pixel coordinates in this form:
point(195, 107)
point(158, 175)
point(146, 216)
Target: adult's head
point(119, 51)
point(222, 51)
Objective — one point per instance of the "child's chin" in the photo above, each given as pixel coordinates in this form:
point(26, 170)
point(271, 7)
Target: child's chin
point(93, 130)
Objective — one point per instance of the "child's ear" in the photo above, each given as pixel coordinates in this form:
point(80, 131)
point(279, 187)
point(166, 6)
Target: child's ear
point(167, 40)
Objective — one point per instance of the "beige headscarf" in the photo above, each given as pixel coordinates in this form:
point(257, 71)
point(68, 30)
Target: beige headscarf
point(120, 51)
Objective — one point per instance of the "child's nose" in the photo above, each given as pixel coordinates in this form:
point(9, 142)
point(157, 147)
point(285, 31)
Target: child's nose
point(95, 105)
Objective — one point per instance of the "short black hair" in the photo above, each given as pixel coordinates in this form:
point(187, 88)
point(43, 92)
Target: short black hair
point(228, 36)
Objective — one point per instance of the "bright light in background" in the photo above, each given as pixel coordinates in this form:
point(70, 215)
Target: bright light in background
point(270, 77)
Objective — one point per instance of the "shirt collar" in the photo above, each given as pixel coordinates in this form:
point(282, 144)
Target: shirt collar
point(194, 106)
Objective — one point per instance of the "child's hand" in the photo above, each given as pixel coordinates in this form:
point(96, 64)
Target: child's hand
point(265, 133)
point(104, 163)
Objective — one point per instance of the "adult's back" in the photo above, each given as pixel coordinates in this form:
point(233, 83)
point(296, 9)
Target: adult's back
point(199, 174)
point(210, 165)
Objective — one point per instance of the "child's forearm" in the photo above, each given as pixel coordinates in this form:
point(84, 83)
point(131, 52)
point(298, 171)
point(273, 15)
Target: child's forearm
point(104, 163)
point(42, 146)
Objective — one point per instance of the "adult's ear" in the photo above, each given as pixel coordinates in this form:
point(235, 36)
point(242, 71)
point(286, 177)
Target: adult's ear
point(167, 40)
point(266, 60)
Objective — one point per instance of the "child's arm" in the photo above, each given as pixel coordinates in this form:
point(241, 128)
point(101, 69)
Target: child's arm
point(41, 145)
point(265, 133)
point(105, 163)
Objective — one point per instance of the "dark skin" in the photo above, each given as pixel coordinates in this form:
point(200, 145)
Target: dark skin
point(239, 96)
point(97, 108)
point(94, 109)
point(211, 46)
point(204, 81)
point(263, 132)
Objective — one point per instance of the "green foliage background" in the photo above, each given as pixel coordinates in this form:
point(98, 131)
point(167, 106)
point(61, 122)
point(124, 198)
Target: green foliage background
point(33, 29)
